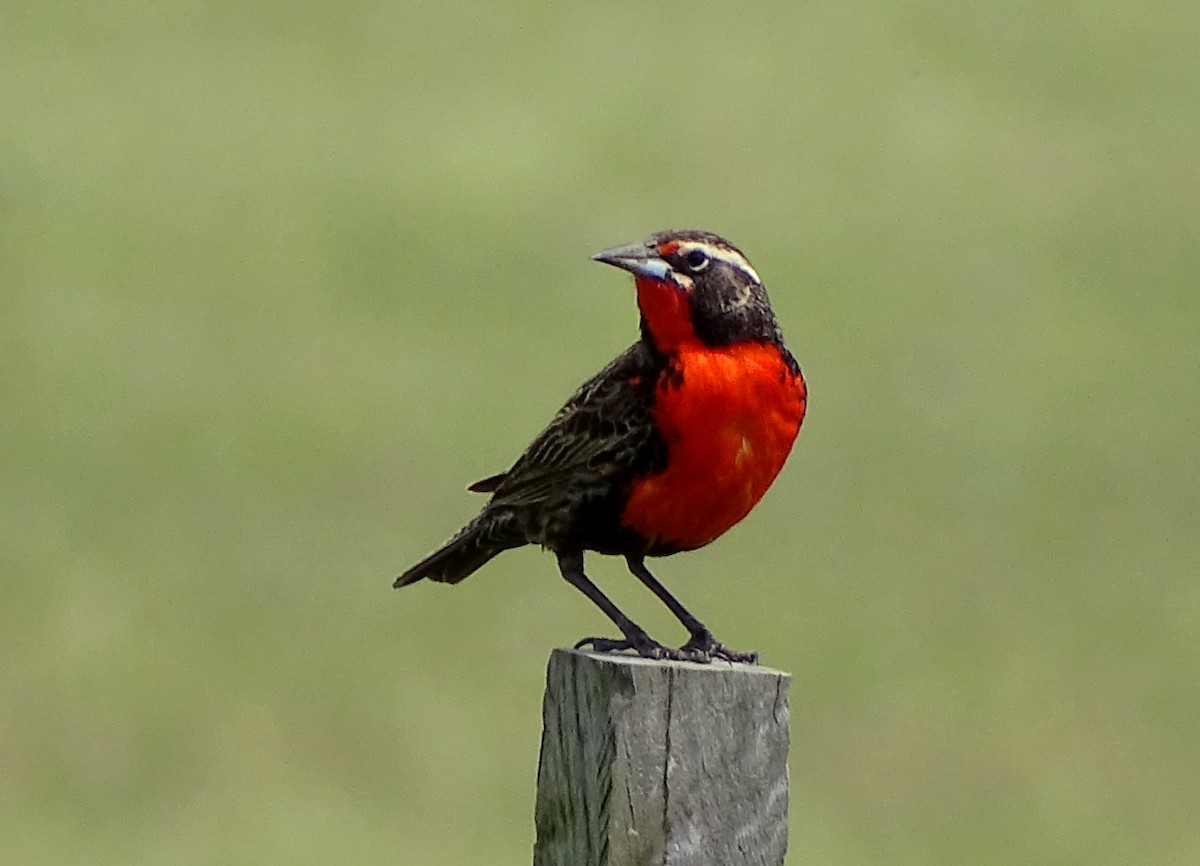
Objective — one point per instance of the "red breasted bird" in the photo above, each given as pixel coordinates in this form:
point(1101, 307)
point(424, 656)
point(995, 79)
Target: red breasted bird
point(663, 450)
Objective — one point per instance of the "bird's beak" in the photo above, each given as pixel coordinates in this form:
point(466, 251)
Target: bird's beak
point(638, 258)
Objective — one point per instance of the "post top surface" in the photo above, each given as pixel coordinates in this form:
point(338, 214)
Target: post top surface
point(622, 659)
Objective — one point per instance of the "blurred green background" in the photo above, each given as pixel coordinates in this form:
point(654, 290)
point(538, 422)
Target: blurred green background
point(277, 281)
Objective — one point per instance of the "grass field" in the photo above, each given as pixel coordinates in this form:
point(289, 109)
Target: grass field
point(277, 281)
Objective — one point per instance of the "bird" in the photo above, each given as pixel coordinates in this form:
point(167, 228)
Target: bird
point(662, 451)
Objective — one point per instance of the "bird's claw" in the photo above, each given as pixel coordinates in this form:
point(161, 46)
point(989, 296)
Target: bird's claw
point(704, 647)
point(641, 644)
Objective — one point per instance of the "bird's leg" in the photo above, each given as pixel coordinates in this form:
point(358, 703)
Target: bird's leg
point(571, 566)
point(702, 646)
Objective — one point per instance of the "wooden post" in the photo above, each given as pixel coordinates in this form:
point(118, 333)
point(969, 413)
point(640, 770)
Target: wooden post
point(649, 763)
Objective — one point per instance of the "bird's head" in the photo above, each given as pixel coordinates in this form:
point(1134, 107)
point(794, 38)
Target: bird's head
point(694, 286)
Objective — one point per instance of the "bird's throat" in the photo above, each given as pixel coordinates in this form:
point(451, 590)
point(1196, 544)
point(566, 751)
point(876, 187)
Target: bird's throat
point(666, 310)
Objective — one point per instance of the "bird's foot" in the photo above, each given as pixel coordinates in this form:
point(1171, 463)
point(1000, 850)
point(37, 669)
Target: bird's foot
point(641, 643)
point(703, 647)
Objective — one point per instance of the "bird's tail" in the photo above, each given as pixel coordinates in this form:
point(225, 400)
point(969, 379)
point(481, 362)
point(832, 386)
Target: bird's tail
point(459, 557)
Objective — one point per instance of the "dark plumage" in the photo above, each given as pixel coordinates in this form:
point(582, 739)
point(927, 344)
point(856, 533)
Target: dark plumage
point(564, 491)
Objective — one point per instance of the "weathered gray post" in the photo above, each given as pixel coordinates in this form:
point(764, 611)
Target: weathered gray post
point(649, 763)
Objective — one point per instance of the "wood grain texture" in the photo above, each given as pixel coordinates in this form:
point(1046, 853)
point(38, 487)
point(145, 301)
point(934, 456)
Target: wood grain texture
point(647, 763)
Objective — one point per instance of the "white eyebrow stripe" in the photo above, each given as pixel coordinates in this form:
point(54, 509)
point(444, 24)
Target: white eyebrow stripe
point(730, 257)
point(739, 261)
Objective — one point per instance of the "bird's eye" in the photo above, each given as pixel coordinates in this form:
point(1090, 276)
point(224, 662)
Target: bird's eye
point(696, 259)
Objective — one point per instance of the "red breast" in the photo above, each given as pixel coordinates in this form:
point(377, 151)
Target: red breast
point(728, 414)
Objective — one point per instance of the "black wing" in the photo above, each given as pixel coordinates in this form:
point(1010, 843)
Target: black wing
point(489, 484)
point(604, 434)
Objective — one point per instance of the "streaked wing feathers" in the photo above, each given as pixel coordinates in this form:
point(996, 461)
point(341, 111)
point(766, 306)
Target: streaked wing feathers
point(604, 431)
